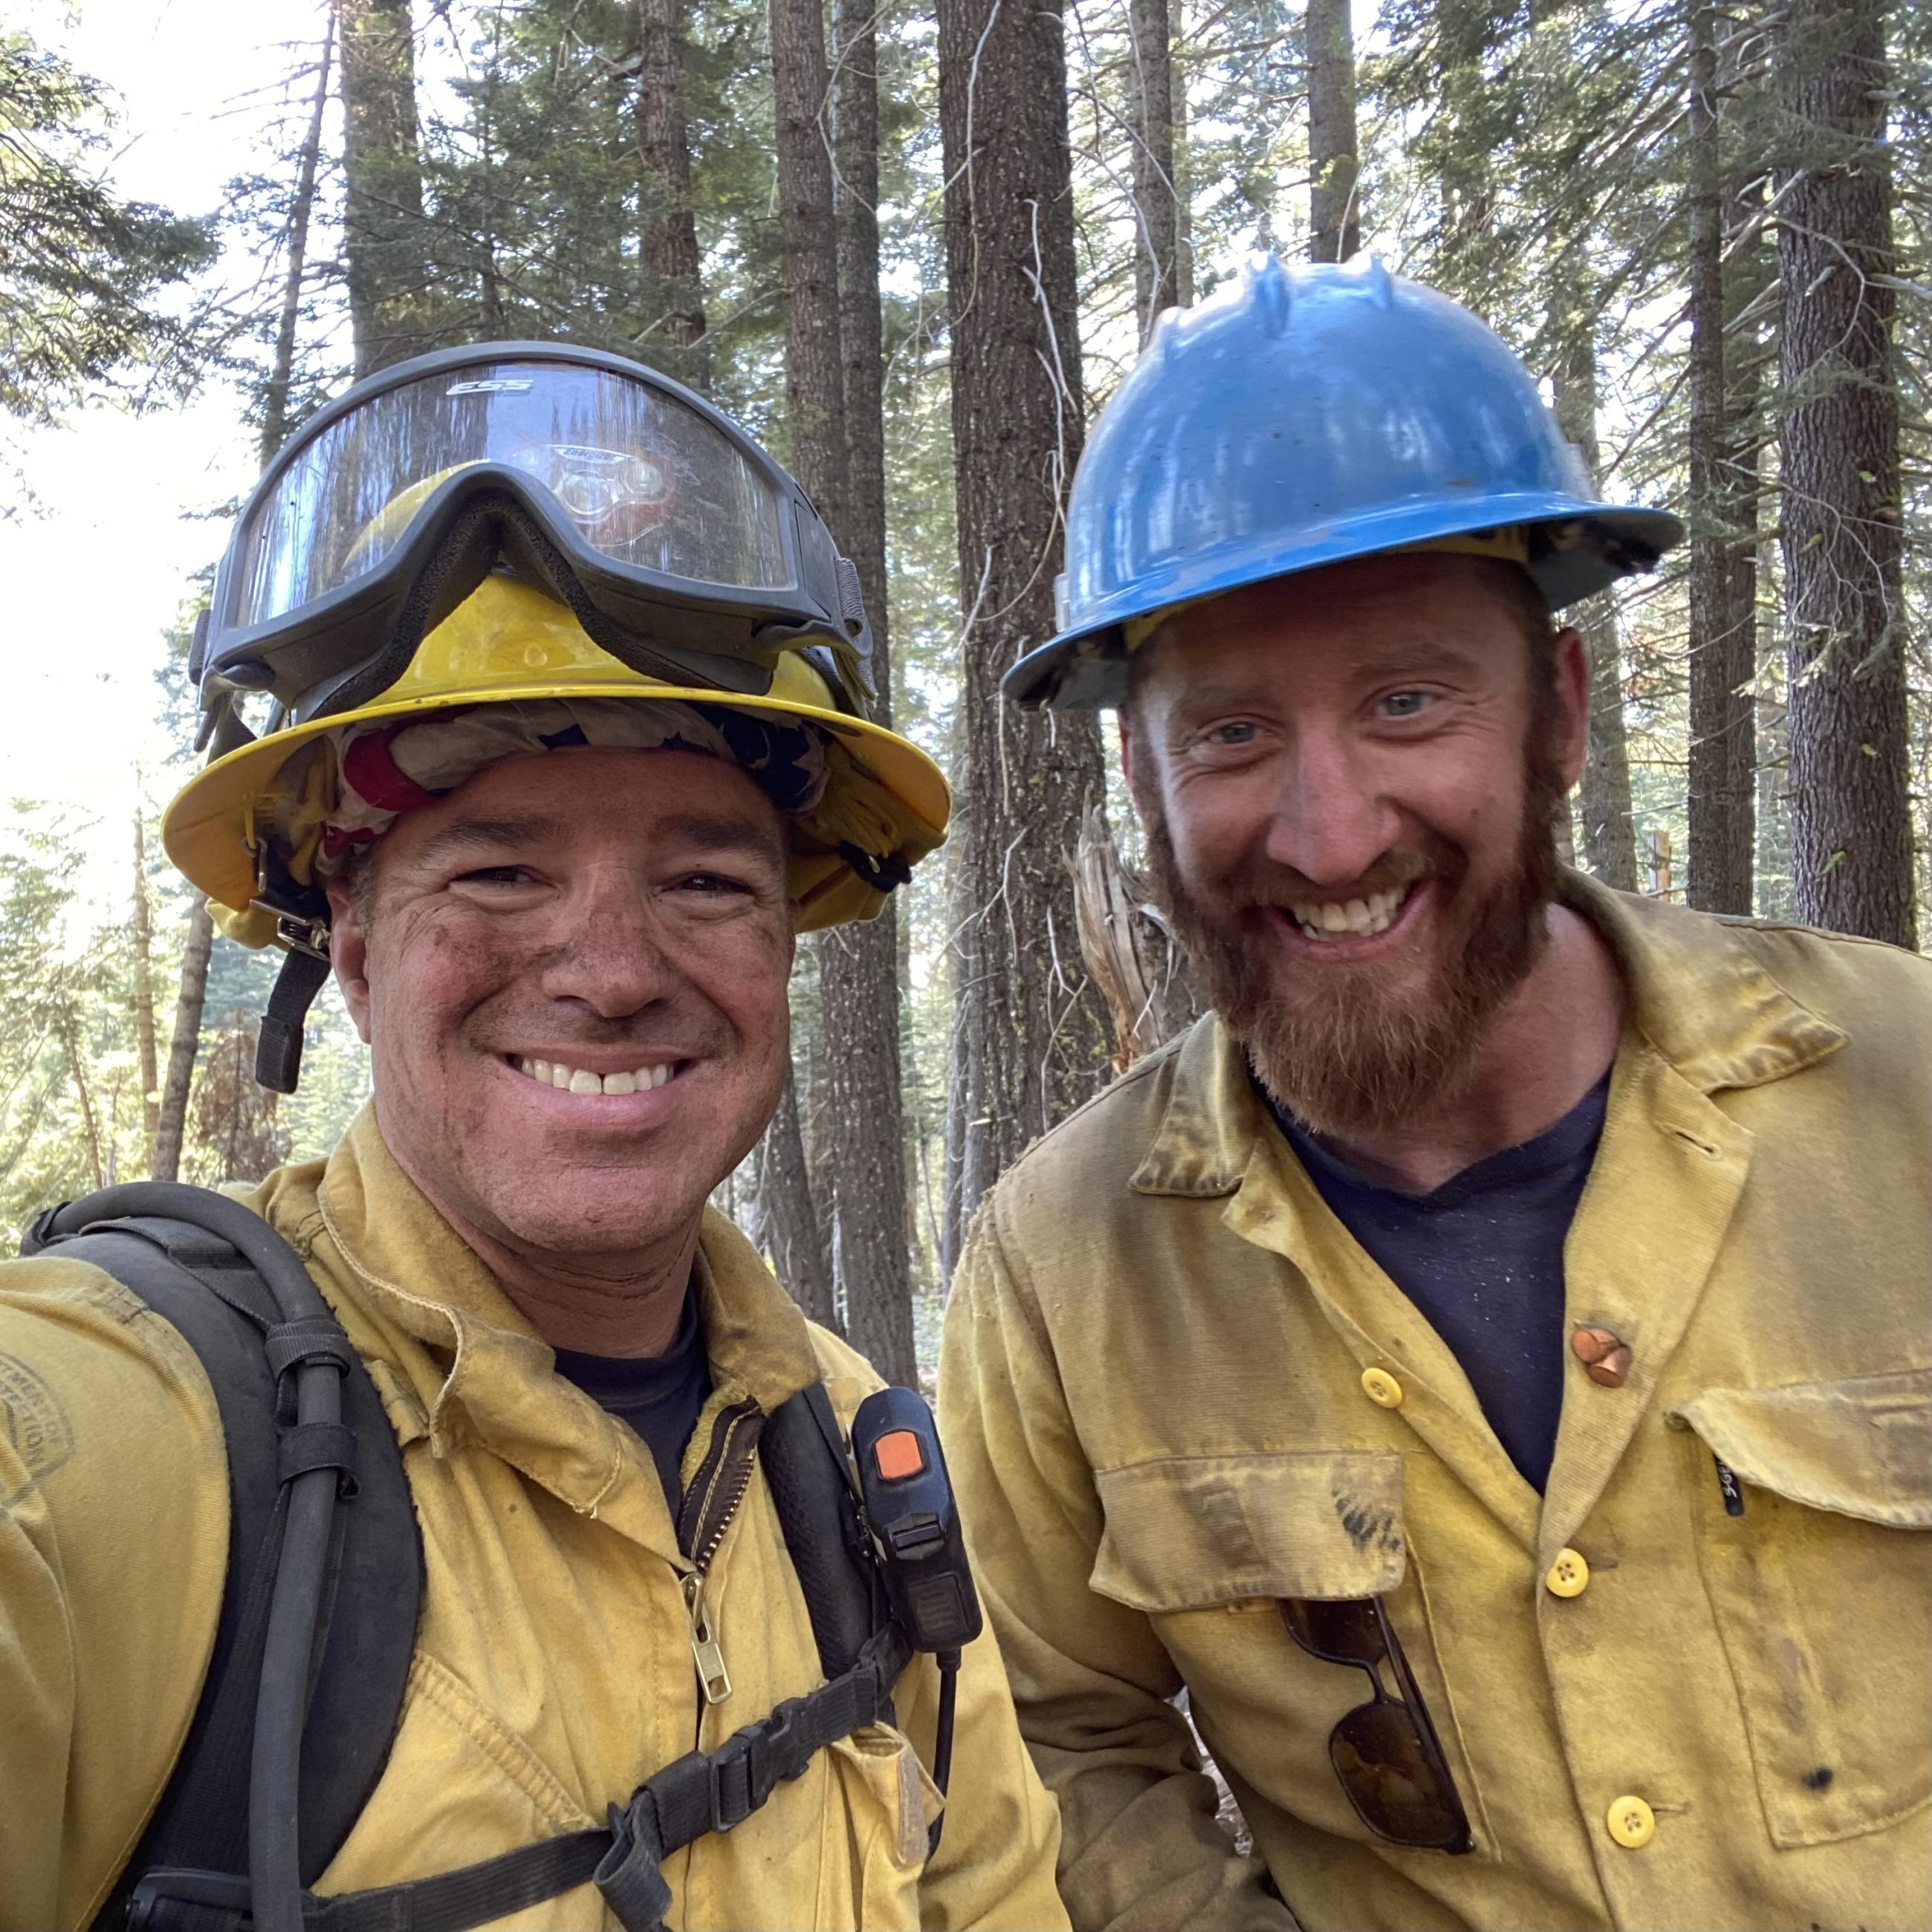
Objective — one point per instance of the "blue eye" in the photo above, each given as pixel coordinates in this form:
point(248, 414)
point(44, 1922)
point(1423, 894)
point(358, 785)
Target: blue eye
point(1241, 732)
point(1406, 704)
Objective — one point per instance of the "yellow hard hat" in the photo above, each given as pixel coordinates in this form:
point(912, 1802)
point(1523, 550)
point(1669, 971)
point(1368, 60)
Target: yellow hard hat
point(884, 806)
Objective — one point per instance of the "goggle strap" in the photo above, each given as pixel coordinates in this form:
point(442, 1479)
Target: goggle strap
point(278, 1048)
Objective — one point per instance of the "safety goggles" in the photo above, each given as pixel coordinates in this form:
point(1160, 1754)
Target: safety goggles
point(1385, 1752)
point(682, 547)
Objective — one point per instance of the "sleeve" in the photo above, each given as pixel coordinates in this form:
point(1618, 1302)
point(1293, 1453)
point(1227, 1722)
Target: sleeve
point(113, 1547)
point(994, 1867)
point(1092, 1682)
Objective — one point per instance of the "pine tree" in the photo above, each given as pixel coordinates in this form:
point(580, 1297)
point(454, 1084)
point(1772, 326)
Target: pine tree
point(1839, 464)
point(81, 269)
point(383, 234)
point(1032, 1034)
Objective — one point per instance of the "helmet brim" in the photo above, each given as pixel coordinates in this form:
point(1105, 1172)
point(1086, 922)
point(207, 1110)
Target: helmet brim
point(210, 829)
point(1084, 668)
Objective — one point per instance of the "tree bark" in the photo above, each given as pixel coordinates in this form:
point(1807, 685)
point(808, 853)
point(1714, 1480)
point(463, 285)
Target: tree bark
point(382, 204)
point(791, 1221)
point(1033, 1034)
point(169, 1129)
point(275, 403)
point(1609, 836)
point(1723, 749)
point(814, 359)
point(858, 964)
point(145, 1045)
point(1156, 200)
point(1839, 464)
point(672, 269)
point(1334, 212)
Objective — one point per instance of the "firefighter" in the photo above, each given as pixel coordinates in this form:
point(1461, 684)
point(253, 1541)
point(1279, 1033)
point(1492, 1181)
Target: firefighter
point(1484, 1362)
point(565, 743)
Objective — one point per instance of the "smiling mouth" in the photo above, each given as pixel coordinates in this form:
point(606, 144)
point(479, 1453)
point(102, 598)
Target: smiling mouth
point(1350, 918)
point(569, 1079)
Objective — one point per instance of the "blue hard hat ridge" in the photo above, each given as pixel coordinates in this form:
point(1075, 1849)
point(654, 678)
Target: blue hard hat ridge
point(1299, 416)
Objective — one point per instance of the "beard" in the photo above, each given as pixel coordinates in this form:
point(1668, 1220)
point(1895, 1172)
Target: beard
point(1347, 1049)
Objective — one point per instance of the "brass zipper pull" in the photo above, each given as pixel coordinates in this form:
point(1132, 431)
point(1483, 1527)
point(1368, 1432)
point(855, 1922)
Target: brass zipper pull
point(713, 1679)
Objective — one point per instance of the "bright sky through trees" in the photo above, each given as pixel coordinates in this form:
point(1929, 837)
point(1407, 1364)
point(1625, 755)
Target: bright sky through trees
point(98, 567)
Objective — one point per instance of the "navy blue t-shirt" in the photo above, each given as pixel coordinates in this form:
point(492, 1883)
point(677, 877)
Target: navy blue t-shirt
point(661, 1396)
point(1482, 1257)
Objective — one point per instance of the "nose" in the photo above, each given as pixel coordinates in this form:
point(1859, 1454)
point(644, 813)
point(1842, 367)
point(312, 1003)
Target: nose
point(1332, 819)
point(607, 954)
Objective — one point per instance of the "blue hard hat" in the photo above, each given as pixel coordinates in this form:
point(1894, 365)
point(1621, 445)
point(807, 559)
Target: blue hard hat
point(1299, 416)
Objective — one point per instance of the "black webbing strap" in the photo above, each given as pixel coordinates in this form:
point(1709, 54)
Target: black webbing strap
point(698, 1793)
point(278, 1050)
point(694, 1795)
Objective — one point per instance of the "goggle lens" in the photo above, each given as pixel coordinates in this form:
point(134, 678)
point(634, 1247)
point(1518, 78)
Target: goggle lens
point(646, 480)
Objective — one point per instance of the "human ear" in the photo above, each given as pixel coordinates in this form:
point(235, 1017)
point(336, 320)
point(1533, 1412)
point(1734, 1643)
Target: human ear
point(1572, 672)
point(348, 953)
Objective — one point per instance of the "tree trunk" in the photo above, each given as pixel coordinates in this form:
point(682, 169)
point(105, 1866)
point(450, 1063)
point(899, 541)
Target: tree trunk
point(790, 1222)
point(1034, 1036)
point(275, 404)
point(73, 1051)
point(673, 287)
point(1838, 444)
point(146, 1044)
point(815, 361)
point(165, 1165)
point(858, 964)
point(1334, 212)
point(1157, 202)
point(1609, 836)
point(1723, 751)
point(382, 204)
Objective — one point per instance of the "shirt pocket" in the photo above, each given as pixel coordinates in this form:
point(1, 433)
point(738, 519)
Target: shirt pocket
point(1197, 1532)
point(879, 1803)
point(1207, 1546)
point(1818, 1588)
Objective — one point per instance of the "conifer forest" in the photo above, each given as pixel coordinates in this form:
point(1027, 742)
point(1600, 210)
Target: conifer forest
point(914, 245)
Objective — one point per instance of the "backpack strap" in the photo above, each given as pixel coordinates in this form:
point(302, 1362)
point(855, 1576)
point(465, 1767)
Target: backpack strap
point(817, 1498)
point(368, 1581)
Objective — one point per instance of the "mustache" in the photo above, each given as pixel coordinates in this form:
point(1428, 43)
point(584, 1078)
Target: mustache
point(1258, 882)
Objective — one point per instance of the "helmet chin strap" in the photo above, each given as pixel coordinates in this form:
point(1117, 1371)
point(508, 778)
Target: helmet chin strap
point(278, 1047)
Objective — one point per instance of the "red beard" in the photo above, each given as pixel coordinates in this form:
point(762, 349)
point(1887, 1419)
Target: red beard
point(1344, 1051)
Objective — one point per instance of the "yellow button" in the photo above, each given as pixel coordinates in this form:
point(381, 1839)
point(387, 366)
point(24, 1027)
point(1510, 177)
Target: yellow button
point(1569, 1576)
point(1381, 1387)
point(1632, 1822)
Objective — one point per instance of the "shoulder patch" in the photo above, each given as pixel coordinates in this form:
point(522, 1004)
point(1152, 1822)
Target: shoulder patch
point(35, 1422)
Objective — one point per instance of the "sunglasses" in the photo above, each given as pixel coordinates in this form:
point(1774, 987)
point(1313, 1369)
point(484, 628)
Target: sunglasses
point(1385, 1752)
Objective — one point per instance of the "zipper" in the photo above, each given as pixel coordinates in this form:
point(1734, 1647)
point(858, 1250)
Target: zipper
point(716, 1489)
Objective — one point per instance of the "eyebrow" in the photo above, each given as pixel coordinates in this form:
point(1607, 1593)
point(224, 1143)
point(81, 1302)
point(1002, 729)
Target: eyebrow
point(709, 834)
point(499, 834)
point(702, 832)
point(1407, 660)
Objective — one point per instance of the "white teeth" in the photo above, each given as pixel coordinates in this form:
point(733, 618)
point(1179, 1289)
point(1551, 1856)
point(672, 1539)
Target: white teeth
point(1357, 918)
point(581, 1080)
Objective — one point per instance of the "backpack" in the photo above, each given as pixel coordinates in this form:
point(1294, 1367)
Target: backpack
point(318, 1613)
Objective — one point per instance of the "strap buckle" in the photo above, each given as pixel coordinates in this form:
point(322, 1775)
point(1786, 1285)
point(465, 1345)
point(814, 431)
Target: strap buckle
point(763, 1751)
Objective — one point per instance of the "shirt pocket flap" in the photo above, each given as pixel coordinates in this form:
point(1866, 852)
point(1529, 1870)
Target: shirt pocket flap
point(1196, 1532)
point(1861, 1448)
